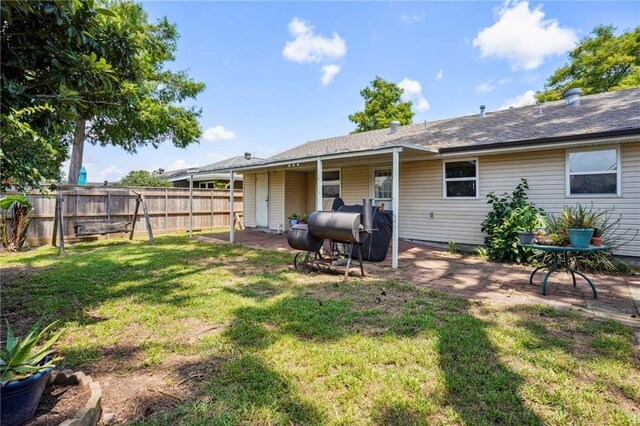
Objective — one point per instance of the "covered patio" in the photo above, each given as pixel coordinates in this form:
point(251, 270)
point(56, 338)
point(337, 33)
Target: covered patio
point(480, 280)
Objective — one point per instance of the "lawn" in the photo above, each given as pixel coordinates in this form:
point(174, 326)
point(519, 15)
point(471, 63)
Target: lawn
point(193, 333)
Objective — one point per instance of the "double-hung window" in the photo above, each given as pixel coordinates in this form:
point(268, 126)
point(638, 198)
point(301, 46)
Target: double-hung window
point(593, 172)
point(330, 186)
point(461, 179)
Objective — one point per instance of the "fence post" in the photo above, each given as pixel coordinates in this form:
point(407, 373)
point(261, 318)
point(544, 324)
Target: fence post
point(212, 221)
point(166, 209)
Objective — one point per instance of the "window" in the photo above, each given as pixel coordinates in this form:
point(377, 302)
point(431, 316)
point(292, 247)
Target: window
point(460, 179)
point(381, 184)
point(330, 184)
point(593, 172)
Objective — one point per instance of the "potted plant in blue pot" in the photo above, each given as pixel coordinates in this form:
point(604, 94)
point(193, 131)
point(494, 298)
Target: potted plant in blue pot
point(293, 219)
point(25, 367)
point(580, 223)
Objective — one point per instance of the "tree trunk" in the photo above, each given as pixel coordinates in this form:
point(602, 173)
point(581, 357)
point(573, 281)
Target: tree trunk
point(76, 154)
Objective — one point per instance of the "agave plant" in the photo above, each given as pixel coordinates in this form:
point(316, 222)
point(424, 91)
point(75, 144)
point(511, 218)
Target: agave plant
point(21, 357)
point(21, 212)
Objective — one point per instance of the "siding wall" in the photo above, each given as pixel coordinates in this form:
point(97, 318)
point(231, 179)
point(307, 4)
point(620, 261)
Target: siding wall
point(311, 191)
point(250, 199)
point(459, 220)
point(276, 199)
point(295, 197)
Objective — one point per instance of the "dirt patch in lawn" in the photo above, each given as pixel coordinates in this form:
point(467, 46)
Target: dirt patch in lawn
point(58, 404)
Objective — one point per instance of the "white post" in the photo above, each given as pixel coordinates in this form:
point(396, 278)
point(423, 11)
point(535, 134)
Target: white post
point(190, 205)
point(319, 185)
point(395, 193)
point(231, 208)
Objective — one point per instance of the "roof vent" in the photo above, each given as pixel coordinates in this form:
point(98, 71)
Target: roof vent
point(247, 156)
point(160, 171)
point(572, 97)
point(393, 126)
point(482, 108)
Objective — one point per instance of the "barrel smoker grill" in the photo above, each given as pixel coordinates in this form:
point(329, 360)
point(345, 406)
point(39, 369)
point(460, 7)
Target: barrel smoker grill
point(343, 230)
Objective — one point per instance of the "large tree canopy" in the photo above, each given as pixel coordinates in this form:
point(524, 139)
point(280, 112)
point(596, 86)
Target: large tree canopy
point(102, 72)
point(382, 105)
point(601, 62)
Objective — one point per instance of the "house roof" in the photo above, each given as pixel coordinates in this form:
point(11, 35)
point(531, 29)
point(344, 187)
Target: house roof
point(600, 114)
point(210, 169)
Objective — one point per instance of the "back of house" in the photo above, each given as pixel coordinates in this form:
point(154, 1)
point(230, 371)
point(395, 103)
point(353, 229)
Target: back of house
point(579, 150)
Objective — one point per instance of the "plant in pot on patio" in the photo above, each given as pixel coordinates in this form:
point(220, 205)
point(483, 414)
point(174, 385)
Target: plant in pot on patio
point(25, 368)
point(580, 223)
point(596, 240)
point(527, 220)
point(293, 219)
point(303, 218)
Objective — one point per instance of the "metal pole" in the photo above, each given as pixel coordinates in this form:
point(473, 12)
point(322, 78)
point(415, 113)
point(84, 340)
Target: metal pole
point(232, 202)
point(319, 185)
point(395, 194)
point(190, 205)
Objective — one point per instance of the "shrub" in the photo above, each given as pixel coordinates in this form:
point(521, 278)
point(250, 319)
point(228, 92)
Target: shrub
point(21, 213)
point(510, 213)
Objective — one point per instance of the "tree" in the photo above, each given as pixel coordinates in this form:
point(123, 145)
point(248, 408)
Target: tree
point(44, 47)
point(145, 178)
point(146, 108)
point(602, 62)
point(382, 105)
point(104, 66)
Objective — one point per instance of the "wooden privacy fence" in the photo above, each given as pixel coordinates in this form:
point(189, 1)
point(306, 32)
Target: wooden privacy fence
point(168, 209)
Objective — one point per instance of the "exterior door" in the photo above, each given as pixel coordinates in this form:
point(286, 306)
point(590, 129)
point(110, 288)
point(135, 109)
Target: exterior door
point(262, 200)
point(381, 186)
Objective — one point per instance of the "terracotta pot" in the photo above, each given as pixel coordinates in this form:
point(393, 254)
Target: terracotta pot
point(596, 241)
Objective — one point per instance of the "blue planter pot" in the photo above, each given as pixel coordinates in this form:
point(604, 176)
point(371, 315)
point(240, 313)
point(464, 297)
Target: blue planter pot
point(580, 238)
point(20, 398)
point(294, 221)
point(526, 237)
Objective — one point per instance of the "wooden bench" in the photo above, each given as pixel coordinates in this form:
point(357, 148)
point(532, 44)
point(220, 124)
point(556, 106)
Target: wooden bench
point(100, 227)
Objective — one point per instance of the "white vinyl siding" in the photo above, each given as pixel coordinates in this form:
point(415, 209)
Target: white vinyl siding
point(295, 186)
point(249, 200)
point(276, 200)
point(460, 220)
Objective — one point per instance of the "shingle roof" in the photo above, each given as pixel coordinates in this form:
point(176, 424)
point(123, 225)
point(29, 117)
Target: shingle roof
point(224, 165)
point(605, 112)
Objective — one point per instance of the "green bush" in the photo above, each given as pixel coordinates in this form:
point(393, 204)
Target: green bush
point(511, 213)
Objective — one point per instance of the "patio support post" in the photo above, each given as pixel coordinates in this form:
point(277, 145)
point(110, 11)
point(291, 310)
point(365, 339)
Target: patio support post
point(232, 202)
point(319, 184)
point(190, 205)
point(395, 191)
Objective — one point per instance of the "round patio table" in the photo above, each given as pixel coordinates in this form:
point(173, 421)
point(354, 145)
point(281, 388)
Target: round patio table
point(560, 260)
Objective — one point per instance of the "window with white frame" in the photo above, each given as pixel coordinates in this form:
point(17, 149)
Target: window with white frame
point(593, 172)
point(330, 184)
point(460, 179)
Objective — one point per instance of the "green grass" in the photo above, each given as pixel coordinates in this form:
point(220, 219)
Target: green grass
point(265, 345)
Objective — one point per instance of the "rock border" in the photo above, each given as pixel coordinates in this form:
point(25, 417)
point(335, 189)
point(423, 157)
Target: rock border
point(90, 414)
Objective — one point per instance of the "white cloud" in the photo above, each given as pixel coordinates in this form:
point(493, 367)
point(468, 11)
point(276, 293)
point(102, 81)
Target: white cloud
point(523, 37)
point(527, 98)
point(217, 133)
point(489, 85)
point(440, 75)
point(181, 164)
point(308, 47)
point(328, 72)
point(413, 92)
point(485, 87)
point(413, 18)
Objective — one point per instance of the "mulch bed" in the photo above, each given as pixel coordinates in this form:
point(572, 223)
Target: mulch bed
point(59, 403)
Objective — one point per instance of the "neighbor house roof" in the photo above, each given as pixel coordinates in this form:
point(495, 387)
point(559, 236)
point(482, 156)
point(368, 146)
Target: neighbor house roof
point(210, 169)
point(597, 115)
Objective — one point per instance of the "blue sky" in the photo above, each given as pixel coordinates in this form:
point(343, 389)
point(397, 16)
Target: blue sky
point(281, 74)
